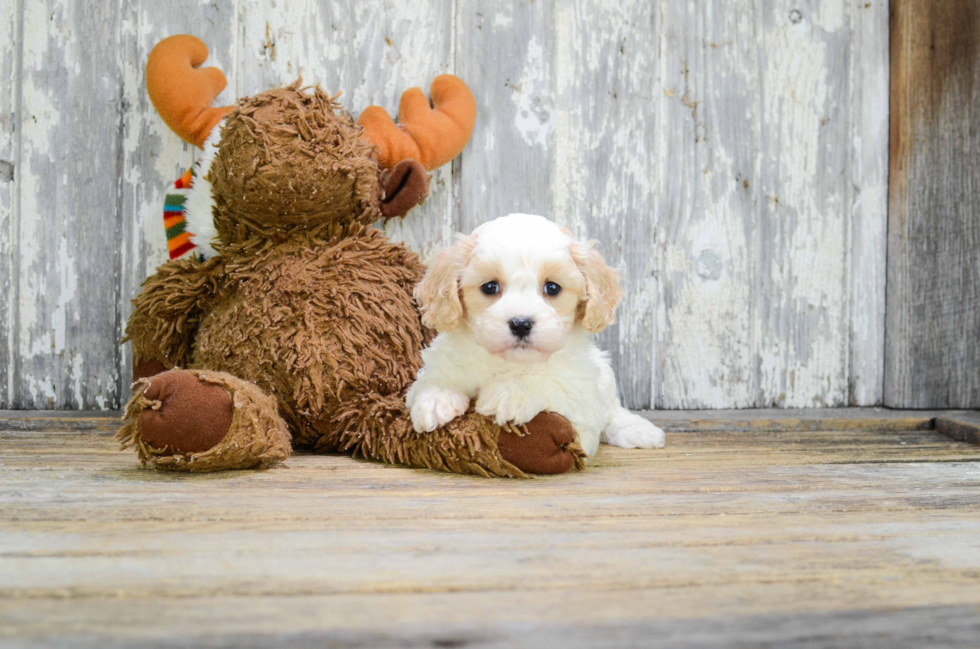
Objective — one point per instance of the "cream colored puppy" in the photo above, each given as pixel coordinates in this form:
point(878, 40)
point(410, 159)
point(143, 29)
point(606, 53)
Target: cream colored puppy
point(514, 304)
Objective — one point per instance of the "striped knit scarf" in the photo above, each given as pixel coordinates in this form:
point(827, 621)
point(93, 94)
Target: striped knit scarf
point(174, 220)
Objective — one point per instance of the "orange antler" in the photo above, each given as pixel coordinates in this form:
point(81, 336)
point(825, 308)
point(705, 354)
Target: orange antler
point(431, 136)
point(181, 93)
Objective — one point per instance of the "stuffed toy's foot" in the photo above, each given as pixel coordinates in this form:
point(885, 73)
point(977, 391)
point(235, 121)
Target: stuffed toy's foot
point(195, 420)
point(379, 427)
point(546, 445)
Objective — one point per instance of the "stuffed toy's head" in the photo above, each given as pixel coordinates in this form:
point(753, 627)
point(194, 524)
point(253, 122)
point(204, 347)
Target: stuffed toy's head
point(290, 160)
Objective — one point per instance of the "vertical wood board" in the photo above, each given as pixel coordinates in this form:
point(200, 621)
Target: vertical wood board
point(802, 193)
point(933, 321)
point(68, 219)
point(709, 147)
point(869, 202)
point(9, 92)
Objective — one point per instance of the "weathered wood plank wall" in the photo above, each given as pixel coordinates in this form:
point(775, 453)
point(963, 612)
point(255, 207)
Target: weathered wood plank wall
point(933, 323)
point(64, 225)
point(730, 157)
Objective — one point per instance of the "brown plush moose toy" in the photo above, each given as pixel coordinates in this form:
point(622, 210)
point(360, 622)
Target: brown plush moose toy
point(283, 319)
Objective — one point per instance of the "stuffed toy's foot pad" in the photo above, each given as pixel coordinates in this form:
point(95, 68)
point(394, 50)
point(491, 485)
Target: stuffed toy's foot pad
point(192, 416)
point(201, 420)
point(549, 446)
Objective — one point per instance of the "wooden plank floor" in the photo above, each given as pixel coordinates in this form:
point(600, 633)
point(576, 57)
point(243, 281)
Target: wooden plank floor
point(765, 535)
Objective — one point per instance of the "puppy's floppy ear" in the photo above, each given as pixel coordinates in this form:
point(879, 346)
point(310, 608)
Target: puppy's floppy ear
point(438, 292)
point(602, 292)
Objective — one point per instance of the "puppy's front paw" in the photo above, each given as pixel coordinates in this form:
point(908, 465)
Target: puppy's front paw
point(435, 408)
point(508, 401)
point(633, 431)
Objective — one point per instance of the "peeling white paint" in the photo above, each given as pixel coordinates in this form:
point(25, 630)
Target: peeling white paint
point(504, 16)
point(869, 82)
point(68, 282)
point(571, 139)
point(532, 103)
point(8, 176)
point(804, 363)
point(40, 337)
point(831, 15)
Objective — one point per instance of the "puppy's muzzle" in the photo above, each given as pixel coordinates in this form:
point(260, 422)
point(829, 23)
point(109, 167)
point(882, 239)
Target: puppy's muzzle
point(521, 327)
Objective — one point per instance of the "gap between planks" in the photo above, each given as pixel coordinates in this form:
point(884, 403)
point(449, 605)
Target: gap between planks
point(962, 425)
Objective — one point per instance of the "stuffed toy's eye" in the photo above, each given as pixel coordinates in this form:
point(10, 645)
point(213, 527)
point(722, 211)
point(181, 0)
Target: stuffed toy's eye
point(552, 289)
point(490, 288)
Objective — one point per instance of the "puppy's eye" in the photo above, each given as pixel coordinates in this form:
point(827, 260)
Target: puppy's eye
point(490, 288)
point(552, 289)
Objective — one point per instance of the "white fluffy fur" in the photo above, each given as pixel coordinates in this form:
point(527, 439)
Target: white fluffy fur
point(199, 208)
point(557, 368)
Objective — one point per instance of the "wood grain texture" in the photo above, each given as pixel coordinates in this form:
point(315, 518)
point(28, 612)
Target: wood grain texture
point(869, 83)
point(825, 538)
point(506, 53)
point(727, 421)
point(783, 419)
point(50, 420)
point(67, 231)
point(759, 217)
point(803, 191)
point(963, 426)
point(709, 144)
point(729, 158)
point(9, 93)
point(937, 627)
point(932, 349)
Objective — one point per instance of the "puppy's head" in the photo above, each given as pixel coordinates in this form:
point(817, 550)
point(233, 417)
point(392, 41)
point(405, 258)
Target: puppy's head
point(519, 285)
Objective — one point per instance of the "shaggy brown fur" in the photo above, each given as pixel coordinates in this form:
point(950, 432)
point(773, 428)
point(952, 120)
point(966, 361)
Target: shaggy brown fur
point(320, 324)
point(306, 303)
point(168, 309)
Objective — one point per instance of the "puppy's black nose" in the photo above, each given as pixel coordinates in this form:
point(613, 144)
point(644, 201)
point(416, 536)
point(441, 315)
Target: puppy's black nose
point(521, 327)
